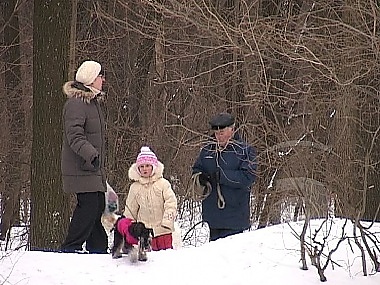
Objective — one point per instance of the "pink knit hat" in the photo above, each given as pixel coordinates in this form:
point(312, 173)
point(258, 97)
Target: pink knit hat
point(146, 156)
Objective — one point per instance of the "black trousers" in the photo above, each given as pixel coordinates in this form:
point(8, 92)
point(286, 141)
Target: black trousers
point(86, 226)
point(222, 233)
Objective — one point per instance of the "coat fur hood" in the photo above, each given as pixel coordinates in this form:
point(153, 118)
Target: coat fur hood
point(134, 174)
point(72, 92)
point(151, 200)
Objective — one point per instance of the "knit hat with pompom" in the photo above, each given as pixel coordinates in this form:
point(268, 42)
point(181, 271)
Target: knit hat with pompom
point(146, 156)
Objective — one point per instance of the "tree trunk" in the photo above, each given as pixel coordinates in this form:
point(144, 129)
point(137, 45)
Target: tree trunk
point(371, 157)
point(49, 205)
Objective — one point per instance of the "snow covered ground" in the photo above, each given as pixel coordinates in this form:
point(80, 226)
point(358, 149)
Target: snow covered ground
point(265, 256)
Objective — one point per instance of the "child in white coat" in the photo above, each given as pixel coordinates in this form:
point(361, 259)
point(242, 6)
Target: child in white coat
point(151, 199)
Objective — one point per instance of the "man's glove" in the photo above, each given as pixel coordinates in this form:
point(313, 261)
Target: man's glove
point(95, 162)
point(203, 178)
point(214, 178)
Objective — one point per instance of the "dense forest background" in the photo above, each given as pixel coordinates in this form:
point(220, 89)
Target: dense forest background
point(301, 77)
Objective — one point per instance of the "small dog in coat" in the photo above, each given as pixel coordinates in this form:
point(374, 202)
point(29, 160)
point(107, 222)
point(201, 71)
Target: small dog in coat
point(127, 234)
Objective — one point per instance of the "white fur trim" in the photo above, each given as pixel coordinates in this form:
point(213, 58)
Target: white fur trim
point(134, 174)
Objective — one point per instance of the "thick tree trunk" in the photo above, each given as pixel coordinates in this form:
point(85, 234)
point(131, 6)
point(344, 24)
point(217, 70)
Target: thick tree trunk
point(49, 205)
point(371, 158)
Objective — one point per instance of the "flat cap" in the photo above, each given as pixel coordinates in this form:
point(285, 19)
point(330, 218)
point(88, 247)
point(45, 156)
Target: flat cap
point(221, 121)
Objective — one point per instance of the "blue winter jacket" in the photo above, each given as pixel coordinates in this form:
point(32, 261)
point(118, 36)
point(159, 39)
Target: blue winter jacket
point(236, 168)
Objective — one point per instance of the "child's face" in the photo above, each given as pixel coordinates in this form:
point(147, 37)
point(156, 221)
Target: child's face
point(146, 170)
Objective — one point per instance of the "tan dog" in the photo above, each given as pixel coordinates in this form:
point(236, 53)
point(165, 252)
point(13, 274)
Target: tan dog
point(109, 221)
point(109, 216)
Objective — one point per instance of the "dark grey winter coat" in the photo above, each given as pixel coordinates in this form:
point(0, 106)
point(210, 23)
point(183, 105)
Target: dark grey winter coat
point(83, 140)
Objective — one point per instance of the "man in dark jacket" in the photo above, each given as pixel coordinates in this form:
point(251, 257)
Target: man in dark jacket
point(229, 165)
point(83, 155)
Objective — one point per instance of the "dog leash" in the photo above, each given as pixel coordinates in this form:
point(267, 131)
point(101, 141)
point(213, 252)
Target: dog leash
point(221, 201)
point(196, 188)
point(133, 216)
point(197, 191)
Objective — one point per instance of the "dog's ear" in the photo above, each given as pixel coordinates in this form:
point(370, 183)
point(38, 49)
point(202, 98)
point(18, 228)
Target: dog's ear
point(136, 229)
point(147, 233)
point(146, 238)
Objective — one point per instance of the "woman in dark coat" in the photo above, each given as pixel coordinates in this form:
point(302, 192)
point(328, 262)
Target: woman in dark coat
point(83, 155)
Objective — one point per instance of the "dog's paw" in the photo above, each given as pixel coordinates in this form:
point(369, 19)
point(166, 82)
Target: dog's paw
point(142, 256)
point(116, 255)
point(133, 255)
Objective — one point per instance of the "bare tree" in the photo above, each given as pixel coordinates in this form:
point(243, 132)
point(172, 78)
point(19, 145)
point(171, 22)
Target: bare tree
point(15, 120)
point(272, 63)
point(49, 206)
point(300, 76)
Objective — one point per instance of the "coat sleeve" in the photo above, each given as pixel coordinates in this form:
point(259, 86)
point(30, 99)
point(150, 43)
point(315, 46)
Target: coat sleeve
point(131, 206)
point(170, 207)
point(243, 177)
point(198, 166)
point(74, 118)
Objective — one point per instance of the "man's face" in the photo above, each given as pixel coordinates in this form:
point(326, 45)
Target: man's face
point(224, 135)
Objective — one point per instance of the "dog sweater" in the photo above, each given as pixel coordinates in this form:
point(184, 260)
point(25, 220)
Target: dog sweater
point(123, 228)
